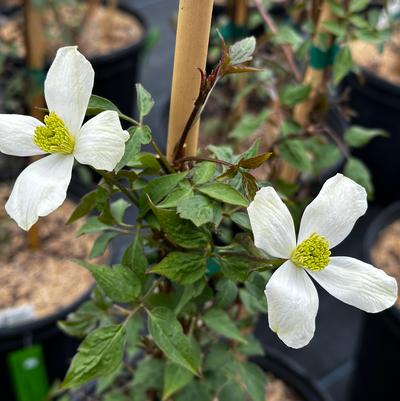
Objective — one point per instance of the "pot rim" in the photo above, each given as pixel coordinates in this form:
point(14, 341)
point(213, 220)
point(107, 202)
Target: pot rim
point(288, 370)
point(30, 326)
point(123, 52)
point(387, 216)
point(376, 82)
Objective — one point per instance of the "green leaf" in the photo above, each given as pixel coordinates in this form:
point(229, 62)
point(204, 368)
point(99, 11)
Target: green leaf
point(234, 267)
point(226, 293)
point(138, 136)
point(252, 348)
point(293, 94)
point(195, 391)
point(184, 268)
point(358, 5)
point(158, 189)
point(256, 161)
point(224, 193)
point(357, 136)
point(189, 292)
point(248, 124)
point(288, 35)
point(101, 243)
point(92, 225)
point(249, 183)
point(337, 8)
point(98, 104)
point(294, 152)
point(203, 172)
point(175, 378)
point(252, 304)
point(231, 391)
point(82, 321)
point(183, 190)
point(196, 208)
point(181, 232)
point(343, 64)
point(167, 333)
point(149, 374)
point(242, 51)
point(86, 205)
point(220, 322)
point(118, 209)
point(254, 379)
point(358, 171)
point(335, 28)
point(134, 256)
point(145, 101)
point(118, 282)
point(98, 355)
point(242, 220)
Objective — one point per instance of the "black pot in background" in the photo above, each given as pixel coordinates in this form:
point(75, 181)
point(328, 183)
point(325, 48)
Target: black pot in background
point(376, 372)
point(293, 375)
point(117, 73)
point(377, 104)
point(57, 349)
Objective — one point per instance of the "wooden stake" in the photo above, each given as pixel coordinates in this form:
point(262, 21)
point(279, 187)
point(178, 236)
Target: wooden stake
point(192, 38)
point(317, 78)
point(35, 59)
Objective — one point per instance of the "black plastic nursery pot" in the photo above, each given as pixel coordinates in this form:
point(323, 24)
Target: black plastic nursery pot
point(376, 103)
point(117, 73)
point(293, 375)
point(377, 364)
point(35, 354)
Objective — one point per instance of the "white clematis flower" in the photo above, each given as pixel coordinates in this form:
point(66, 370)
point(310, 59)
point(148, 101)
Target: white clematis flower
point(42, 186)
point(291, 295)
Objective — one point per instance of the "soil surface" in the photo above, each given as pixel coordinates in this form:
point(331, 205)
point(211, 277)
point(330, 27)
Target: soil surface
point(386, 252)
point(46, 278)
point(385, 64)
point(278, 390)
point(97, 32)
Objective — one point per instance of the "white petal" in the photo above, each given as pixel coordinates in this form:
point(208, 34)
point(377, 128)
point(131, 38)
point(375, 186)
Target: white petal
point(358, 284)
point(272, 224)
point(101, 142)
point(334, 211)
point(292, 305)
point(16, 135)
point(40, 189)
point(68, 87)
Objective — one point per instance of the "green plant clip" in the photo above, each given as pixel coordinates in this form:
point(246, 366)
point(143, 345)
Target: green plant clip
point(28, 373)
point(320, 59)
point(212, 267)
point(36, 77)
point(232, 32)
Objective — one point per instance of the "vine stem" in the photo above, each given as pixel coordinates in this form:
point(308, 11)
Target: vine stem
point(124, 190)
point(164, 162)
point(203, 159)
point(287, 51)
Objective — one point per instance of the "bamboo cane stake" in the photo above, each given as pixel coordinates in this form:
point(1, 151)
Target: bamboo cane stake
point(192, 38)
point(317, 78)
point(35, 58)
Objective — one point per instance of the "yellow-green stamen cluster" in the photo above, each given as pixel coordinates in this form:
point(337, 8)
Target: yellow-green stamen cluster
point(54, 137)
point(313, 253)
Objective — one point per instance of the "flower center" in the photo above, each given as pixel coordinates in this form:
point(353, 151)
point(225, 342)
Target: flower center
point(54, 137)
point(313, 253)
